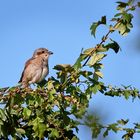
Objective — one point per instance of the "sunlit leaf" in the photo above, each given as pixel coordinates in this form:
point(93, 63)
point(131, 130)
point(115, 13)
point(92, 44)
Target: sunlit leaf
point(54, 133)
point(2, 115)
point(78, 63)
point(99, 74)
point(88, 51)
point(95, 58)
point(121, 28)
point(74, 138)
point(102, 48)
point(38, 127)
point(20, 130)
point(26, 112)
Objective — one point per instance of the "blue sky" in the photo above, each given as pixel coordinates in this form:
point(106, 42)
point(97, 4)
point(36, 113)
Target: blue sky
point(63, 27)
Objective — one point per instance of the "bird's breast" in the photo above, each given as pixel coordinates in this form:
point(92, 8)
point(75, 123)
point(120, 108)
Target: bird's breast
point(44, 73)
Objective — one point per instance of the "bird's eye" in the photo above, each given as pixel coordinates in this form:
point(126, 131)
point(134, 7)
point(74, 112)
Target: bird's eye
point(42, 51)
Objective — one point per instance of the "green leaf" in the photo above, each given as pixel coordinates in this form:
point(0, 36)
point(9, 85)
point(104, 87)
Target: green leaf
point(137, 125)
point(126, 137)
point(86, 73)
point(126, 94)
point(78, 62)
point(1, 122)
point(95, 58)
point(50, 85)
point(99, 74)
point(113, 127)
point(121, 5)
point(54, 133)
point(96, 24)
point(2, 115)
point(38, 126)
point(122, 122)
point(62, 67)
point(138, 4)
point(130, 2)
point(127, 17)
point(74, 138)
point(102, 48)
point(88, 51)
point(95, 88)
point(124, 25)
point(26, 113)
point(105, 133)
point(121, 27)
point(115, 46)
point(20, 130)
point(129, 134)
point(118, 14)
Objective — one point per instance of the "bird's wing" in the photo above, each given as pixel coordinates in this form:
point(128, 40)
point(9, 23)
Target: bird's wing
point(26, 65)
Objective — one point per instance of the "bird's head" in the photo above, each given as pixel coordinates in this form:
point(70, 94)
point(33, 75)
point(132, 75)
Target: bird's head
point(42, 52)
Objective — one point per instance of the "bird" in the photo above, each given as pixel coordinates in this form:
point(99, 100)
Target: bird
point(36, 68)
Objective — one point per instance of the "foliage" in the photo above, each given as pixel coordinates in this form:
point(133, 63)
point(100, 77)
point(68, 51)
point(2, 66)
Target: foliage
point(54, 110)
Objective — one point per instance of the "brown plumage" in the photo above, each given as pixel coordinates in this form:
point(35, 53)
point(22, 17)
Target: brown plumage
point(36, 68)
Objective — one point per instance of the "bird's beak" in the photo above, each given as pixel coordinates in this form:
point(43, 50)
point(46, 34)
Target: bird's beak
point(50, 53)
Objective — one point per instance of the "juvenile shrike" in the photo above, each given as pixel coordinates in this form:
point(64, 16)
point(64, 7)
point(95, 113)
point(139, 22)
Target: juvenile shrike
point(36, 68)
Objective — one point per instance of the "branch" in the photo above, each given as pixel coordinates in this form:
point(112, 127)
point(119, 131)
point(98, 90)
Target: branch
point(107, 34)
